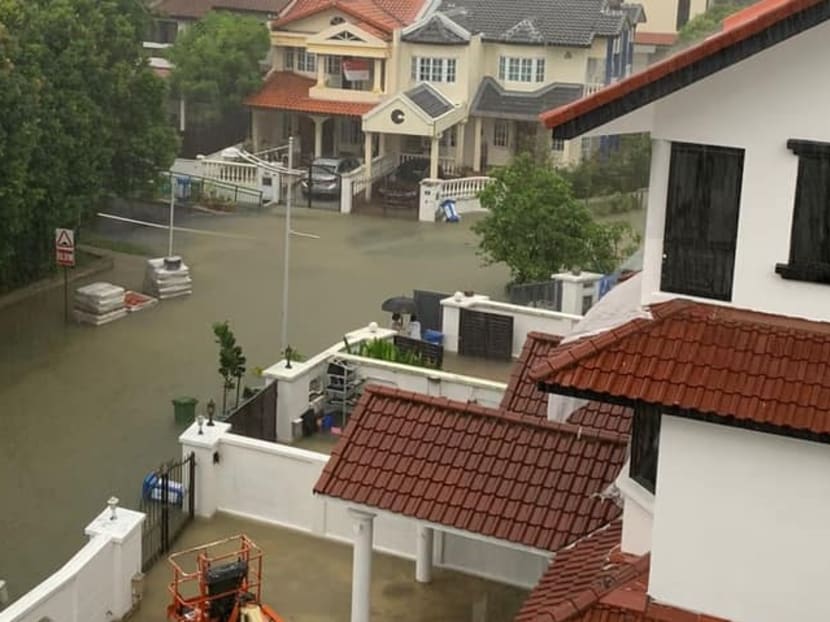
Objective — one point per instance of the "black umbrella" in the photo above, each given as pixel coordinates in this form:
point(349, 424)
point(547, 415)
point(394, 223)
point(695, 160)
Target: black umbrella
point(398, 304)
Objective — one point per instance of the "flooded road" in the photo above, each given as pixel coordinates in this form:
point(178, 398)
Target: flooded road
point(85, 412)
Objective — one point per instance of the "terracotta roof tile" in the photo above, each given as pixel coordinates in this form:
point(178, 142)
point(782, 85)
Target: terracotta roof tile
point(655, 38)
point(383, 15)
point(285, 90)
point(476, 489)
point(743, 25)
point(711, 359)
point(592, 581)
point(522, 394)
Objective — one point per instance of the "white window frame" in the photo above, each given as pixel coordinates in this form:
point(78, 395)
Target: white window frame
point(448, 137)
point(521, 69)
point(288, 59)
point(501, 133)
point(306, 61)
point(433, 69)
point(334, 65)
point(558, 145)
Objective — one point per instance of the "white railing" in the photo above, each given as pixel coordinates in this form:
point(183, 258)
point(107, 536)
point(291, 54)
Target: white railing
point(237, 173)
point(354, 182)
point(593, 87)
point(447, 165)
point(463, 188)
point(278, 155)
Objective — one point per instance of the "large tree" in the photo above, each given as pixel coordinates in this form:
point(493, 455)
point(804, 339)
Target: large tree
point(217, 62)
point(81, 117)
point(536, 226)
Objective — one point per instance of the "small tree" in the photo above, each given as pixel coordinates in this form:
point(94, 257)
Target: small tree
point(216, 62)
point(231, 361)
point(536, 226)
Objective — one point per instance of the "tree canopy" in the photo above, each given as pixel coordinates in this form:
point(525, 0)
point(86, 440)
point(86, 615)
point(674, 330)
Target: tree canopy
point(81, 116)
point(217, 61)
point(536, 226)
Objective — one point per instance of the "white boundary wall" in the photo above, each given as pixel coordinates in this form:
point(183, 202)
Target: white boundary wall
point(273, 483)
point(96, 584)
point(525, 319)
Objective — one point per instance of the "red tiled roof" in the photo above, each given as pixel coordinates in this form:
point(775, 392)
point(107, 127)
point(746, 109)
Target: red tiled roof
point(655, 38)
point(742, 26)
point(710, 359)
point(501, 475)
point(523, 395)
point(592, 581)
point(195, 9)
point(285, 90)
point(387, 15)
point(603, 416)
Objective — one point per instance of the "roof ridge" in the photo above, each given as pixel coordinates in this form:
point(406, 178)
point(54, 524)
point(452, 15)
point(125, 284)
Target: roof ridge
point(473, 408)
point(574, 352)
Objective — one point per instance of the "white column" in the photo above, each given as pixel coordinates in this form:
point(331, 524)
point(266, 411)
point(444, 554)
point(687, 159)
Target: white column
point(318, 134)
point(361, 565)
point(423, 555)
point(205, 445)
point(124, 534)
point(367, 159)
point(321, 70)
point(477, 145)
point(377, 88)
point(381, 144)
point(658, 192)
point(433, 157)
point(460, 135)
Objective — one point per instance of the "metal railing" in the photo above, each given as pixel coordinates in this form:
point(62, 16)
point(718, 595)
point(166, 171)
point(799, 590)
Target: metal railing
point(207, 191)
point(447, 165)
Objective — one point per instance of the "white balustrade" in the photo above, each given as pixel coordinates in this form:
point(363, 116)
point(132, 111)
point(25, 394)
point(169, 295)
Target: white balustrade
point(237, 173)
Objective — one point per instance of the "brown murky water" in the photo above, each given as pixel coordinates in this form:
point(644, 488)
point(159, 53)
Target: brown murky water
point(85, 412)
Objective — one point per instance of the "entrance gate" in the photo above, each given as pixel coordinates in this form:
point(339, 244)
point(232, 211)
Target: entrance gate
point(486, 335)
point(168, 502)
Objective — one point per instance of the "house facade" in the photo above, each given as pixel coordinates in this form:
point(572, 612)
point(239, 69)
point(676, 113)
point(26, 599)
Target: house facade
point(460, 83)
point(723, 360)
point(664, 18)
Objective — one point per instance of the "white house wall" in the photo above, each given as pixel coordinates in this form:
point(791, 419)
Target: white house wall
point(757, 104)
point(741, 523)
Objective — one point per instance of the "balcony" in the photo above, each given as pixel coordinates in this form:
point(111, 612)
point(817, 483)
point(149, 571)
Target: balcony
point(352, 79)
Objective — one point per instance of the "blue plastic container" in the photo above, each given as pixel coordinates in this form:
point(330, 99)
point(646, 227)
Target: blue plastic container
point(434, 336)
point(152, 490)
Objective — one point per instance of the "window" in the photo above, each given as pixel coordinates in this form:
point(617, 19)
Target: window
point(683, 7)
point(701, 227)
point(645, 445)
point(501, 134)
point(448, 137)
point(427, 69)
point(333, 65)
point(288, 59)
point(351, 132)
point(558, 145)
point(810, 234)
point(514, 69)
point(306, 61)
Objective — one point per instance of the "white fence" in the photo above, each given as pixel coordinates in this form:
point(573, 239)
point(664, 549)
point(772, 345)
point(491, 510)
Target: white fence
point(237, 173)
point(525, 319)
point(448, 165)
point(273, 483)
point(354, 182)
point(96, 584)
point(464, 191)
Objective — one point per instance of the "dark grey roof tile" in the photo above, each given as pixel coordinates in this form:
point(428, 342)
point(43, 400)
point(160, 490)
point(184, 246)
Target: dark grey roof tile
point(429, 100)
point(491, 100)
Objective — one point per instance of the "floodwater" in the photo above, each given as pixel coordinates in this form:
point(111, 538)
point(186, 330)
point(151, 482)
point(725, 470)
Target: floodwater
point(85, 412)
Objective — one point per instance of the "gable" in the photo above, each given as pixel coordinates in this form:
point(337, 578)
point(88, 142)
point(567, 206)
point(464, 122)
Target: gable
point(346, 38)
point(398, 115)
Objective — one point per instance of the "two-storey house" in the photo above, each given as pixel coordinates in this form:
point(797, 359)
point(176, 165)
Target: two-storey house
point(460, 83)
point(725, 362)
point(664, 18)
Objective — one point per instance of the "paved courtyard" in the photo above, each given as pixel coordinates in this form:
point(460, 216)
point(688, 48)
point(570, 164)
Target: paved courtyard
point(308, 579)
point(86, 412)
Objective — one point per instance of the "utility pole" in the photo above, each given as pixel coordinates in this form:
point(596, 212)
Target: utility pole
point(172, 210)
point(289, 194)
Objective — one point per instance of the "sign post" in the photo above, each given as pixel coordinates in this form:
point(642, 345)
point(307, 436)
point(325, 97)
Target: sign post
point(65, 256)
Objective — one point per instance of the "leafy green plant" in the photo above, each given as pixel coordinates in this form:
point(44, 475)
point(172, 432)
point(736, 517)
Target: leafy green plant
point(385, 350)
point(231, 361)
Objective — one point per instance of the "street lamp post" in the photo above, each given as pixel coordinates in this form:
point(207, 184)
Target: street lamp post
point(172, 211)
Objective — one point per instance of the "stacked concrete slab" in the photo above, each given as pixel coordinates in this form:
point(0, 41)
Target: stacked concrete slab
point(167, 277)
point(99, 303)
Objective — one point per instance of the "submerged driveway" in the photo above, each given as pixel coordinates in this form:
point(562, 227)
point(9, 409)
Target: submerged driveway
point(86, 412)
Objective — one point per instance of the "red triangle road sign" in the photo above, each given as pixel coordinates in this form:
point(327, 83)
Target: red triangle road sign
point(64, 238)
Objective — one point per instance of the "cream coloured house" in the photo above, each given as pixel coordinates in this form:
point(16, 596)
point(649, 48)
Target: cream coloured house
point(459, 82)
point(664, 18)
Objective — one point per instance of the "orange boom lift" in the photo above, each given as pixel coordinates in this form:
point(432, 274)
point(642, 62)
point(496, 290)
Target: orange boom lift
point(219, 582)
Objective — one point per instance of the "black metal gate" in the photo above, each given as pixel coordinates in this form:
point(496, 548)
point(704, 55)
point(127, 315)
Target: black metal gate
point(168, 502)
point(257, 416)
point(428, 308)
point(486, 335)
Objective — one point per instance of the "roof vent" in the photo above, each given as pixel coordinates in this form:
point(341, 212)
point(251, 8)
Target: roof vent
point(337, 19)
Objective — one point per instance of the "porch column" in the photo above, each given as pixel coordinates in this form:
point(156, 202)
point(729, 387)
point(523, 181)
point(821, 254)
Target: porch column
point(477, 145)
point(460, 134)
point(367, 159)
point(321, 70)
point(361, 565)
point(381, 144)
point(376, 88)
point(423, 555)
point(318, 135)
point(433, 157)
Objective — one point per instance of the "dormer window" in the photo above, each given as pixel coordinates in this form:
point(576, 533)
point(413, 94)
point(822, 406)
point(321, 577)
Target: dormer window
point(645, 445)
point(810, 236)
